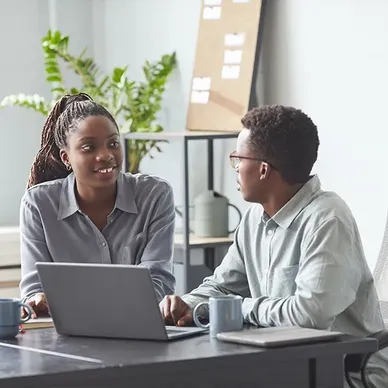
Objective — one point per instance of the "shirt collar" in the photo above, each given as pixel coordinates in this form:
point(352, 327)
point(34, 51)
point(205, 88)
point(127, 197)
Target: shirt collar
point(68, 204)
point(286, 215)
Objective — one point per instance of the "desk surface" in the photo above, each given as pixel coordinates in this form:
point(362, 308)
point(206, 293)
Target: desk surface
point(43, 352)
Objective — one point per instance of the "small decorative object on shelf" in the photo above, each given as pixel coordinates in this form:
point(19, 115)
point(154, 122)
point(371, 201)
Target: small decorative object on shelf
point(211, 215)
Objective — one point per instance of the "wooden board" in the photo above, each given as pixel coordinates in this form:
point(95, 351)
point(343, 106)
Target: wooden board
point(226, 62)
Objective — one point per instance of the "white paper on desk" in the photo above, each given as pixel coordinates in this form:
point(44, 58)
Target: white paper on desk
point(41, 320)
point(213, 2)
point(232, 57)
point(236, 39)
point(230, 71)
point(38, 323)
point(200, 97)
point(212, 13)
point(201, 83)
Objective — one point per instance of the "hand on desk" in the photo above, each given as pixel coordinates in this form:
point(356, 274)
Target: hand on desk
point(175, 311)
point(38, 304)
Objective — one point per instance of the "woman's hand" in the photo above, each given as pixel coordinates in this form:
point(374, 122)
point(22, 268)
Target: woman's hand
point(38, 304)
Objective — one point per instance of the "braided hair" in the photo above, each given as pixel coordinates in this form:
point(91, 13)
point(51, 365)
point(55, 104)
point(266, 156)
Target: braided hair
point(62, 119)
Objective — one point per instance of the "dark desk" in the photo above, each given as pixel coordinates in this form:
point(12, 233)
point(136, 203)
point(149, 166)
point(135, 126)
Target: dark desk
point(41, 358)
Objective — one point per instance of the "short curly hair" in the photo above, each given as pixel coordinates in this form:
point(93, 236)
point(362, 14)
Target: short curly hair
point(285, 137)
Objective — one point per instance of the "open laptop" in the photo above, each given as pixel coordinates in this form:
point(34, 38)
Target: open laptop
point(105, 300)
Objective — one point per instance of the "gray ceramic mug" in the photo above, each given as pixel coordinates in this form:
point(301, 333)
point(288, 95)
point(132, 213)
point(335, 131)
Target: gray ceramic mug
point(10, 317)
point(225, 314)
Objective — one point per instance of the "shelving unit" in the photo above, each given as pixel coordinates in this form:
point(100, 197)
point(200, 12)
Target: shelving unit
point(187, 275)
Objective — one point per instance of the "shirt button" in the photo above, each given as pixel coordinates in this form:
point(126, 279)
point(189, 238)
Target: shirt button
point(270, 232)
point(103, 244)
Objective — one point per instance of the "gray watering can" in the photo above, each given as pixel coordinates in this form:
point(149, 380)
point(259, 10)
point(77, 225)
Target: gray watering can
point(211, 215)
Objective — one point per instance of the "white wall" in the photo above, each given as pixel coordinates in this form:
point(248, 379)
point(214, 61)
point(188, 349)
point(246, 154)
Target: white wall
point(330, 58)
point(327, 57)
point(22, 26)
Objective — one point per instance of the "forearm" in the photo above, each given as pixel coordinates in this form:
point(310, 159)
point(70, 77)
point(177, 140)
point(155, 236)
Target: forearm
point(162, 277)
point(30, 285)
point(202, 293)
point(315, 309)
point(164, 284)
point(229, 278)
point(33, 249)
point(31, 252)
point(292, 311)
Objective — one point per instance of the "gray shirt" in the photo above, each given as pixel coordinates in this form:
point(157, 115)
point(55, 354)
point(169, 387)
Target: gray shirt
point(140, 229)
point(305, 266)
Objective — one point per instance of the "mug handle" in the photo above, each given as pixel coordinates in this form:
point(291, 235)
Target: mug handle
point(239, 216)
point(29, 312)
point(195, 317)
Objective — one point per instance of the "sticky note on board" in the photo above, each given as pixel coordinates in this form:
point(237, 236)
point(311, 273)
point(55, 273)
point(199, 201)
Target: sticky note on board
point(234, 39)
point(232, 57)
point(213, 2)
point(212, 13)
point(201, 83)
point(230, 72)
point(200, 97)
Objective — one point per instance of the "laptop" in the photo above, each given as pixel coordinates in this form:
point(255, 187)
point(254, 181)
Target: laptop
point(105, 300)
point(279, 336)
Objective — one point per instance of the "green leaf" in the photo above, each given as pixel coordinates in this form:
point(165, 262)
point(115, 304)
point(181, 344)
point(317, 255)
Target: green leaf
point(51, 69)
point(118, 72)
point(58, 90)
point(54, 78)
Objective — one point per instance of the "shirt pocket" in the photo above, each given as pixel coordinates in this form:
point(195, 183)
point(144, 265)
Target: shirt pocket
point(285, 280)
point(133, 250)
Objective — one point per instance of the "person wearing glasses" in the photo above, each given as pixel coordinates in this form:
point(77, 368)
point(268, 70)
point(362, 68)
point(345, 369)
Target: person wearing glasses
point(297, 257)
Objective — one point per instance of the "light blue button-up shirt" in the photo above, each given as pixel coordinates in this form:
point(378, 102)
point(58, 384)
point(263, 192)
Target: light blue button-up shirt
point(305, 266)
point(140, 230)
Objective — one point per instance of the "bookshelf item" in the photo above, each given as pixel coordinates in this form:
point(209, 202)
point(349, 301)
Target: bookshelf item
point(226, 64)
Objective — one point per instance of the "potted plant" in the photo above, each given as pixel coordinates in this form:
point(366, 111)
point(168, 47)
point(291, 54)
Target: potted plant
point(134, 104)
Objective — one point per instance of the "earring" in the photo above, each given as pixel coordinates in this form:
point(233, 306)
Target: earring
point(68, 166)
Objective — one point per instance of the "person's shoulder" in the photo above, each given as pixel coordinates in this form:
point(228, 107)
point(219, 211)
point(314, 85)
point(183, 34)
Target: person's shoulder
point(43, 193)
point(328, 206)
point(147, 184)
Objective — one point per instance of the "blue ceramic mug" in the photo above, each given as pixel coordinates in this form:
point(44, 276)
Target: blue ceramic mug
point(225, 314)
point(10, 317)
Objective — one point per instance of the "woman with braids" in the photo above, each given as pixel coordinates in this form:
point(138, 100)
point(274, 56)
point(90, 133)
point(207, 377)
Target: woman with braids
point(80, 207)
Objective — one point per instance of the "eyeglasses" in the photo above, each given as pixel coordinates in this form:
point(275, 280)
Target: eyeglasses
point(235, 160)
